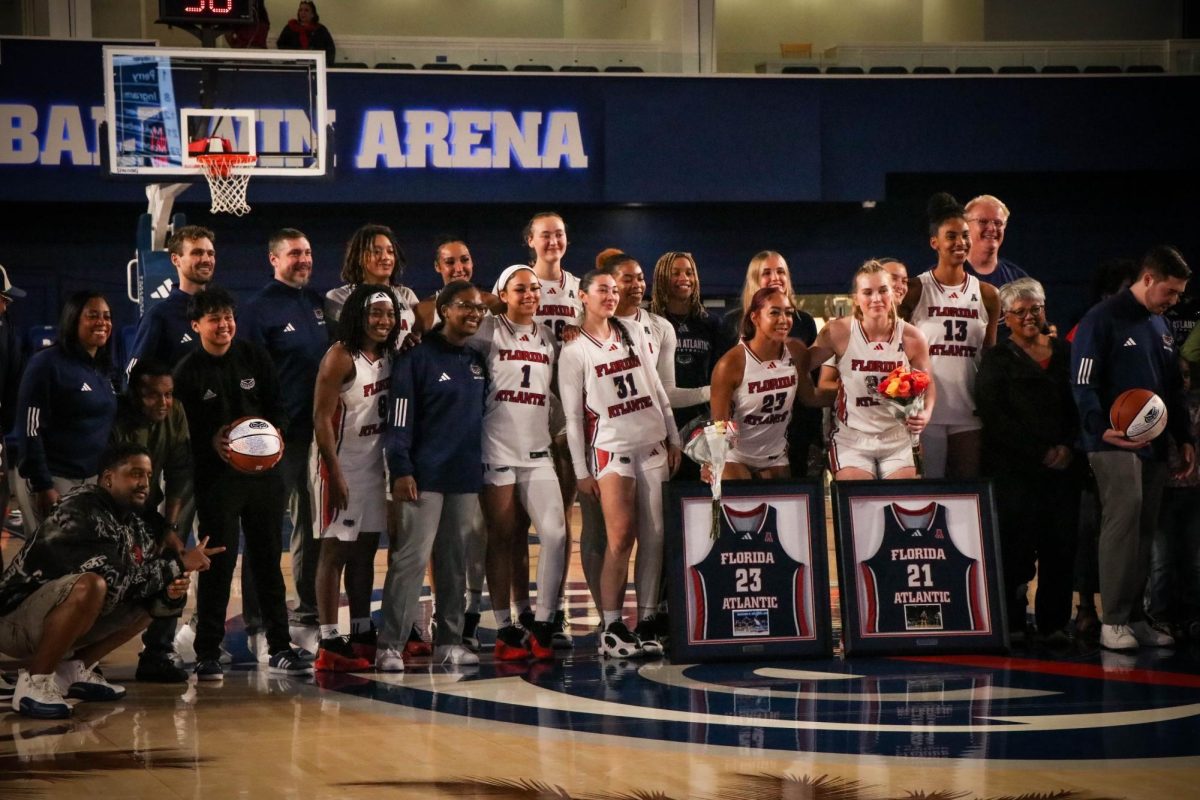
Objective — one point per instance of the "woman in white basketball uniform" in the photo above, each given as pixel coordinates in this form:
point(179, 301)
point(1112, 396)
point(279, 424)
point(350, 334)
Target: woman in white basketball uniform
point(755, 385)
point(623, 444)
point(545, 234)
point(519, 479)
point(868, 441)
point(958, 315)
point(373, 257)
point(349, 418)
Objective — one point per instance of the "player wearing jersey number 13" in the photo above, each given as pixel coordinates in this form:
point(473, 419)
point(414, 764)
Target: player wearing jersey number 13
point(623, 443)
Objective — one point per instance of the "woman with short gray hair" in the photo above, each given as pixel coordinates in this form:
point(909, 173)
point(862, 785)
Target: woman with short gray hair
point(1030, 424)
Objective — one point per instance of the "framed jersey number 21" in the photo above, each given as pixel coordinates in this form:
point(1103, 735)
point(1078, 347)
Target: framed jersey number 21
point(919, 567)
point(757, 589)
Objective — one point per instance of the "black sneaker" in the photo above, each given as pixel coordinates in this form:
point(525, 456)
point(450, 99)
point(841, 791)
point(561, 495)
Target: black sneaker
point(526, 619)
point(365, 643)
point(647, 631)
point(159, 669)
point(470, 623)
point(560, 630)
point(209, 669)
point(511, 644)
point(336, 654)
point(289, 662)
point(617, 641)
point(541, 641)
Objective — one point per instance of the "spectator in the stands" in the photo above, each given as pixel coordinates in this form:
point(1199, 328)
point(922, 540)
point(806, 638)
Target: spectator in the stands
point(306, 32)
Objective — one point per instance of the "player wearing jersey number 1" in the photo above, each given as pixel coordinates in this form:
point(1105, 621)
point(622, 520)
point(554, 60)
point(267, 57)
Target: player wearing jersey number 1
point(623, 443)
point(868, 441)
point(519, 481)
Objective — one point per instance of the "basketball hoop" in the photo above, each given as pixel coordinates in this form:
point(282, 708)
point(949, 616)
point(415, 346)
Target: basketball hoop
point(227, 174)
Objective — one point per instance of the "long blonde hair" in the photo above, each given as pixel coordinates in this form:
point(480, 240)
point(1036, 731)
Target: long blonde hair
point(754, 272)
point(872, 267)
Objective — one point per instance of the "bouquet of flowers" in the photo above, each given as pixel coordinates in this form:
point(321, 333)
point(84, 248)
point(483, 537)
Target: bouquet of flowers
point(904, 392)
point(708, 446)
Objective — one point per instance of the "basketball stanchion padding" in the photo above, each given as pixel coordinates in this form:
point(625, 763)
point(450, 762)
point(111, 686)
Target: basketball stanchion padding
point(255, 445)
point(228, 175)
point(1140, 414)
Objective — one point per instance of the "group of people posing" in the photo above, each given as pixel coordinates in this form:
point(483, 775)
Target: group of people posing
point(483, 412)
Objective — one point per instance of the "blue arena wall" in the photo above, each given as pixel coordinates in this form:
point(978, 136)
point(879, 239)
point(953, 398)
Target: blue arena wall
point(1092, 166)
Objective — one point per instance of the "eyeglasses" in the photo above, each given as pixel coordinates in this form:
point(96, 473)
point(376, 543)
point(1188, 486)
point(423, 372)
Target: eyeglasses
point(983, 223)
point(1032, 311)
point(478, 308)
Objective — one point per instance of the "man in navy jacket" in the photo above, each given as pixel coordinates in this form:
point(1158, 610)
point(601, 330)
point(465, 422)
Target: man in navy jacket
point(287, 317)
point(1125, 343)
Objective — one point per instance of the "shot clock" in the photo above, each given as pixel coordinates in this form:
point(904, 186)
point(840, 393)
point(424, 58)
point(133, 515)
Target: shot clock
point(206, 12)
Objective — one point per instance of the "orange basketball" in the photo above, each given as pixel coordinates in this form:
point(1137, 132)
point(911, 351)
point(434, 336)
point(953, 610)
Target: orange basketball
point(1138, 413)
point(255, 445)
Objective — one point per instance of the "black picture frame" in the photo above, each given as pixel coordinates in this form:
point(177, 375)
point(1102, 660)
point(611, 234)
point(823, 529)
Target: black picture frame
point(788, 564)
point(942, 567)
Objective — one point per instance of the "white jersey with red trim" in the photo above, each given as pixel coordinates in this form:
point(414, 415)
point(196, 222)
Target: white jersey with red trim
point(516, 416)
point(359, 422)
point(861, 369)
point(406, 306)
point(613, 399)
point(954, 320)
point(762, 404)
point(560, 305)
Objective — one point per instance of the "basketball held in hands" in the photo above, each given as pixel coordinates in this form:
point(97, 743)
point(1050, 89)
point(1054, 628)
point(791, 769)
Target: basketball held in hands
point(1139, 414)
point(255, 445)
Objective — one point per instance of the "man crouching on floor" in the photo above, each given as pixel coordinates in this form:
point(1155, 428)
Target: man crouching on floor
point(89, 580)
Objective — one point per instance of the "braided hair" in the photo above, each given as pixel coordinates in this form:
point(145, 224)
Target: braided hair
point(660, 293)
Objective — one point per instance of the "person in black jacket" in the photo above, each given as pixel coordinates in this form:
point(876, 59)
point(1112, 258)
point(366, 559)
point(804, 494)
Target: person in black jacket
point(306, 32)
point(87, 581)
point(220, 382)
point(10, 377)
point(1030, 426)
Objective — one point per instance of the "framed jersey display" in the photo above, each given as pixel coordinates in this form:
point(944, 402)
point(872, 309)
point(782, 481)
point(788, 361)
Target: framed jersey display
point(750, 573)
point(919, 567)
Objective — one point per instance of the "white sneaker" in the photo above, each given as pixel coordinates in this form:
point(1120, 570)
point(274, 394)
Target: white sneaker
point(305, 637)
point(38, 696)
point(454, 654)
point(226, 657)
point(1150, 637)
point(389, 659)
point(185, 642)
point(259, 649)
point(81, 682)
point(1117, 637)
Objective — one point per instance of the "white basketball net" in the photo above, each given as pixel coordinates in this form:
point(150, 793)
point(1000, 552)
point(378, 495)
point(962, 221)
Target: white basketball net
point(227, 174)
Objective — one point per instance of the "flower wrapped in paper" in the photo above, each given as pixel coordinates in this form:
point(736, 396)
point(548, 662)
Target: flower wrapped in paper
point(903, 391)
point(709, 446)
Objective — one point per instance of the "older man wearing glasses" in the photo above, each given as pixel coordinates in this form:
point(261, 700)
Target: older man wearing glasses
point(987, 219)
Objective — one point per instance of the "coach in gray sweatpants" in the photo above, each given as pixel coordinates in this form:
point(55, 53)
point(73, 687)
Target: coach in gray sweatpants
point(434, 453)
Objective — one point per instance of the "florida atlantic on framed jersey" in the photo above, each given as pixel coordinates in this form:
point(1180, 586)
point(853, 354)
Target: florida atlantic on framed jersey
point(919, 567)
point(760, 587)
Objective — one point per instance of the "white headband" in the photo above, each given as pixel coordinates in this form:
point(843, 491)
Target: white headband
point(509, 272)
point(378, 297)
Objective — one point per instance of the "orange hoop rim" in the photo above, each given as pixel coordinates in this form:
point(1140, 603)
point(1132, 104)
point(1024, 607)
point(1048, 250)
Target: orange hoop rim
point(228, 159)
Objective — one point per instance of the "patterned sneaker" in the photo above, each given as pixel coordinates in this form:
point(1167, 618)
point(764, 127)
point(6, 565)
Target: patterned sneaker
point(209, 669)
point(389, 659)
point(38, 696)
point(561, 631)
point(510, 644)
point(469, 638)
point(541, 641)
point(337, 655)
point(617, 641)
point(416, 647)
point(80, 682)
point(647, 631)
point(289, 662)
point(365, 643)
